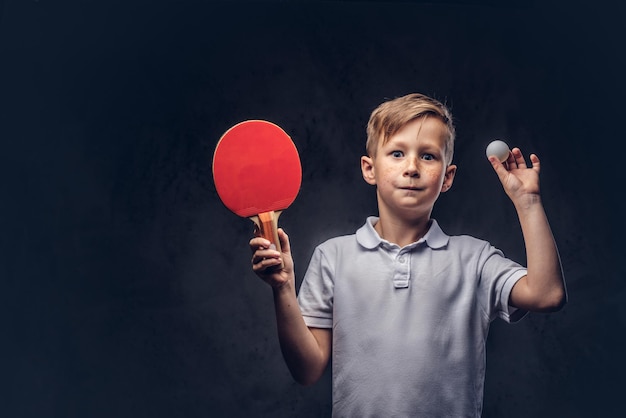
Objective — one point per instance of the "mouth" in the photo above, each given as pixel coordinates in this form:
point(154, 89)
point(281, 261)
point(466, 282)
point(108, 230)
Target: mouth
point(411, 188)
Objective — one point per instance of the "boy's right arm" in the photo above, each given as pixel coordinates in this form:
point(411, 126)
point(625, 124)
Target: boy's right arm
point(305, 350)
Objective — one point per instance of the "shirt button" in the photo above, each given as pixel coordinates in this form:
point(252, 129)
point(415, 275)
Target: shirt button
point(402, 259)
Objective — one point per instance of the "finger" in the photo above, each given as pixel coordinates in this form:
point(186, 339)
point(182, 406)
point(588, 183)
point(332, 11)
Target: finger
point(519, 158)
point(262, 253)
point(510, 162)
point(262, 264)
point(259, 243)
point(535, 162)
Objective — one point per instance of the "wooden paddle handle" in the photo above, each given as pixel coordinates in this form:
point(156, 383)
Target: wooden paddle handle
point(268, 228)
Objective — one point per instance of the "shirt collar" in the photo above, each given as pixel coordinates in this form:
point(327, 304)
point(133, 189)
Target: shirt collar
point(368, 237)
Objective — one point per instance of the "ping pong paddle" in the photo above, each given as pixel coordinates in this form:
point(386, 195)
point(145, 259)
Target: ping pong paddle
point(257, 173)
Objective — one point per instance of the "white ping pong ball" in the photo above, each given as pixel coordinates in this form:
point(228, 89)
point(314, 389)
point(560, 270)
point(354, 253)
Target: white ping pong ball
point(498, 149)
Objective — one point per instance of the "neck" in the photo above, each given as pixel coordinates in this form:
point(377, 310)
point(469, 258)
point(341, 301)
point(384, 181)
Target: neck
point(401, 232)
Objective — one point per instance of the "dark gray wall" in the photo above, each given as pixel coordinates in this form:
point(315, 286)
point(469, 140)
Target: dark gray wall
point(126, 286)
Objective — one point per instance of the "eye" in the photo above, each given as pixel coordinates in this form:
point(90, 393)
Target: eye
point(428, 157)
point(397, 154)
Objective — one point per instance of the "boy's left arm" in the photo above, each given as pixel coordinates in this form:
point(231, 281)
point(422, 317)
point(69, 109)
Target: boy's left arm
point(543, 288)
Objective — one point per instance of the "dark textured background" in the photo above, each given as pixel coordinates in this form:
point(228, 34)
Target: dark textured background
point(125, 284)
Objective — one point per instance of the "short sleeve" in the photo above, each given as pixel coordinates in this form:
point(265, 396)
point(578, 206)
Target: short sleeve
point(498, 275)
point(316, 293)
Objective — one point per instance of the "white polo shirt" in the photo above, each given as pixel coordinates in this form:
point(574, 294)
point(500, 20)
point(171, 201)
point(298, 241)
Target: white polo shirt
point(409, 324)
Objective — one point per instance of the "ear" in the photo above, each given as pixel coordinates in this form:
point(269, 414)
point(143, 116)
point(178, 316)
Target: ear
point(367, 169)
point(448, 178)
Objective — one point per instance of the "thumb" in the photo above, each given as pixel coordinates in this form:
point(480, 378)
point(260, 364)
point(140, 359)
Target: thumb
point(499, 168)
point(284, 241)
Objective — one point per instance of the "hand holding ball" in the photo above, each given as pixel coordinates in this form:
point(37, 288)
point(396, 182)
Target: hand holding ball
point(498, 149)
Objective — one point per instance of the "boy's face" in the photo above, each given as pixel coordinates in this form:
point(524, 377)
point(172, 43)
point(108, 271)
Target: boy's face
point(410, 170)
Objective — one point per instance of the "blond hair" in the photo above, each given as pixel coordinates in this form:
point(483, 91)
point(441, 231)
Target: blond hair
point(392, 115)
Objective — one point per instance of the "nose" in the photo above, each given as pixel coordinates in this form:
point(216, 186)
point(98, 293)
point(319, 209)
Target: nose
point(411, 169)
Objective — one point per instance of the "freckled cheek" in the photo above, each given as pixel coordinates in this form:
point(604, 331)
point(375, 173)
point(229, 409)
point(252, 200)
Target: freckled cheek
point(432, 175)
point(388, 176)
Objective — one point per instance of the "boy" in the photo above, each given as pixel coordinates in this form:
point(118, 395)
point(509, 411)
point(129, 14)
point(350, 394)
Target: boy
point(403, 308)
